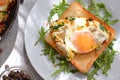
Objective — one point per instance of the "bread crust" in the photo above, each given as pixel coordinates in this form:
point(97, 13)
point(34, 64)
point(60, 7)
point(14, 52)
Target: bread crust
point(82, 62)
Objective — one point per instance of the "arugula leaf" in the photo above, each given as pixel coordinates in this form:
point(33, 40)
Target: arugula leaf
point(81, 2)
point(59, 9)
point(42, 33)
point(93, 8)
point(65, 66)
point(48, 50)
point(107, 58)
point(96, 8)
point(101, 6)
point(112, 21)
point(103, 63)
point(90, 75)
point(57, 72)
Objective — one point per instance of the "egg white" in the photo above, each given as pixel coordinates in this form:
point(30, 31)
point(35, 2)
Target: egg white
point(70, 29)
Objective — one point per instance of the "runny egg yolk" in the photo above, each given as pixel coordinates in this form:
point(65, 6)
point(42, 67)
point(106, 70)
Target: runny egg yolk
point(3, 2)
point(84, 42)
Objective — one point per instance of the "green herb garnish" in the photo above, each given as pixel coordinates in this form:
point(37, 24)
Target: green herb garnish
point(57, 26)
point(102, 27)
point(4, 12)
point(71, 18)
point(58, 9)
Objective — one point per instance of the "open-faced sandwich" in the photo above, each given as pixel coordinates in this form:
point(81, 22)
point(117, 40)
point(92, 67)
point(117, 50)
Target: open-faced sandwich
point(5, 6)
point(80, 36)
point(8, 13)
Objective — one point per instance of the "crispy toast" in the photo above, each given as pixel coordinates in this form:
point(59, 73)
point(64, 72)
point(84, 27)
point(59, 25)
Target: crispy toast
point(82, 62)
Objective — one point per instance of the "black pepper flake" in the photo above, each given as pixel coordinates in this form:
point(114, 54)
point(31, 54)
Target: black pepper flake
point(66, 18)
point(90, 19)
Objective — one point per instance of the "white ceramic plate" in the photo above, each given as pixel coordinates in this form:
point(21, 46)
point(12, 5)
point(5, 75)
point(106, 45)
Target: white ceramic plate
point(38, 17)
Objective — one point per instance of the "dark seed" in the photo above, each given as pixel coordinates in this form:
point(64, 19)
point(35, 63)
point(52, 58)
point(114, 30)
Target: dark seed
point(4, 77)
point(6, 66)
point(17, 76)
point(90, 19)
point(21, 73)
point(12, 74)
point(7, 78)
point(17, 71)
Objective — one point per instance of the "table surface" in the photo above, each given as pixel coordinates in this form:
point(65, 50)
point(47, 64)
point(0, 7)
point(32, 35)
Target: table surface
point(13, 46)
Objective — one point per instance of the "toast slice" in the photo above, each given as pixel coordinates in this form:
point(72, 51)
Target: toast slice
point(82, 62)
